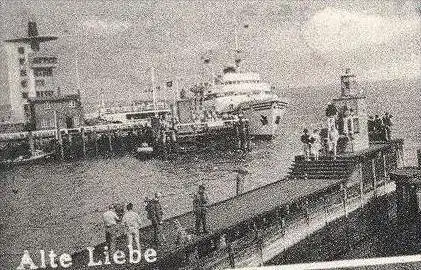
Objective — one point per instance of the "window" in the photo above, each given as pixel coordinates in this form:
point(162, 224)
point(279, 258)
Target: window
point(24, 83)
point(21, 61)
point(22, 72)
point(75, 121)
point(45, 123)
point(24, 95)
point(39, 82)
point(42, 72)
point(21, 50)
point(356, 123)
point(52, 123)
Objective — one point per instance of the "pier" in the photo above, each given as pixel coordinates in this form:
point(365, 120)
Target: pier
point(109, 139)
point(252, 228)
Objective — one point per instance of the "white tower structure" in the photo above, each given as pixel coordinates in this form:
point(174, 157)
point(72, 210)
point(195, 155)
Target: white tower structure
point(25, 73)
point(353, 110)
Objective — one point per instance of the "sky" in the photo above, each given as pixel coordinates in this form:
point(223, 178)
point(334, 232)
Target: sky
point(111, 46)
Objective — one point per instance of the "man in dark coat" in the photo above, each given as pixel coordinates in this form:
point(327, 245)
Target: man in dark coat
point(387, 123)
point(155, 213)
point(331, 110)
point(378, 127)
point(305, 139)
point(200, 205)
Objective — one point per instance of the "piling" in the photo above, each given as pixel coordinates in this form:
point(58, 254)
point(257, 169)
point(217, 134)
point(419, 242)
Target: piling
point(83, 142)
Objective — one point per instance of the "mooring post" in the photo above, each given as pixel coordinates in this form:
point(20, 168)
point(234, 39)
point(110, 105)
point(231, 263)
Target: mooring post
point(248, 135)
point(326, 207)
point(307, 212)
point(385, 170)
point(109, 140)
point(60, 141)
point(83, 142)
point(344, 198)
point(96, 142)
point(419, 158)
point(283, 226)
point(373, 169)
point(239, 184)
point(361, 186)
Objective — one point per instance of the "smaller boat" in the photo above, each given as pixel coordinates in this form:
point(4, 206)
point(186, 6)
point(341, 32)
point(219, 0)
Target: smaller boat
point(36, 156)
point(144, 151)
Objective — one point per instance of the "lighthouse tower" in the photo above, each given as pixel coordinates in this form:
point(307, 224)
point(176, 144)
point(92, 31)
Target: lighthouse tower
point(352, 108)
point(26, 73)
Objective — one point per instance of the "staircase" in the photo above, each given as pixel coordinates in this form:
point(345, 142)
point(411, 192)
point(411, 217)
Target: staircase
point(324, 168)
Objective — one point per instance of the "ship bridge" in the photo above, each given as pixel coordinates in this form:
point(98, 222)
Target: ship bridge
point(239, 84)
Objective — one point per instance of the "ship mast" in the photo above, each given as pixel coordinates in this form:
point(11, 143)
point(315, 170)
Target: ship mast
point(237, 49)
point(153, 90)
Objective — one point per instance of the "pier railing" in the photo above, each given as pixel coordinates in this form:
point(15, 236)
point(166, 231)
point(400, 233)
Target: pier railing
point(271, 233)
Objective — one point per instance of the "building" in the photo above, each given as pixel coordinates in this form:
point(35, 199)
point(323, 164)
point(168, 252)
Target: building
point(29, 96)
point(26, 72)
point(51, 112)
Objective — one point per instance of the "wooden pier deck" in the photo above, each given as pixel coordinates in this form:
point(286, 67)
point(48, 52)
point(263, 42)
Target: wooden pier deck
point(226, 214)
point(270, 201)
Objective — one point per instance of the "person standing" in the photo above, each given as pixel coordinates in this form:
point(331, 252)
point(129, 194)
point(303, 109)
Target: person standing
point(155, 213)
point(333, 139)
point(110, 219)
point(331, 114)
point(315, 144)
point(131, 220)
point(387, 122)
point(378, 127)
point(305, 139)
point(370, 128)
point(200, 205)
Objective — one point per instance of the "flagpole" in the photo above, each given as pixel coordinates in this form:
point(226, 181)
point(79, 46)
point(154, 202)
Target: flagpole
point(77, 72)
point(153, 90)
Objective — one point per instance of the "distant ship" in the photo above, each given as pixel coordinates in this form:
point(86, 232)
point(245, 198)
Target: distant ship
point(245, 93)
point(139, 113)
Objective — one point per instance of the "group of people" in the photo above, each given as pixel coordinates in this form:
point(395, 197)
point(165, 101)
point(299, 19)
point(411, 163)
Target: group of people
point(327, 140)
point(379, 129)
point(343, 123)
point(131, 221)
point(311, 144)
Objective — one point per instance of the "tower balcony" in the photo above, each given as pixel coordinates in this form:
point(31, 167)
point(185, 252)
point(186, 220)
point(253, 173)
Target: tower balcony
point(42, 60)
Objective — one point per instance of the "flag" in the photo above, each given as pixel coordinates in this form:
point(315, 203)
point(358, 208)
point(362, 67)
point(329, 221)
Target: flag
point(169, 84)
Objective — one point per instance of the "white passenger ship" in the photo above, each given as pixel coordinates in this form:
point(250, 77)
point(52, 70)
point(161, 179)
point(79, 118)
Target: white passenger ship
point(245, 93)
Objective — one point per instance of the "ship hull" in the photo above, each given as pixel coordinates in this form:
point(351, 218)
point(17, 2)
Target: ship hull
point(265, 118)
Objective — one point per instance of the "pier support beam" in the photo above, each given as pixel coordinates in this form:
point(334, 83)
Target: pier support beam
point(96, 142)
point(83, 141)
point(110, 141)
point(361, 185)
point(373, 169)
point(344, 199)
